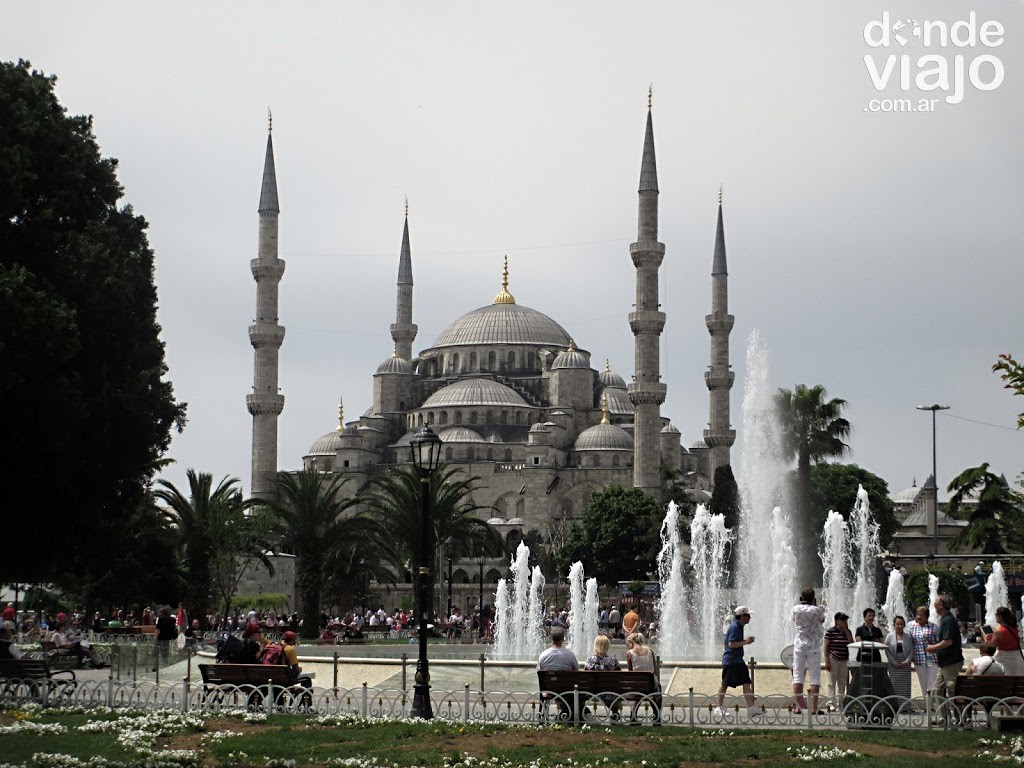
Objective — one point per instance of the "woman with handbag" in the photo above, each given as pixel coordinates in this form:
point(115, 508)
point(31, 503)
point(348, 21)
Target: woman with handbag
point(1006, 638)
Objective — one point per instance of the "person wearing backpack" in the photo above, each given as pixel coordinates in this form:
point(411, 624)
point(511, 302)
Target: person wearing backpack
point(291, 658)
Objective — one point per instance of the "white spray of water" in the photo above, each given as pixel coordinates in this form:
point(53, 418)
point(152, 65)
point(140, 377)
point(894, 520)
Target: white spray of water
point(894, 605)
point(836, 564)
point(864, 535)
point(766, 561)
point(995, 593)
point(673, 604)
point(590, 613)
point(575, 640)
point(709, 543)
point(933, 593)
point(533, 642)
point(518, 611)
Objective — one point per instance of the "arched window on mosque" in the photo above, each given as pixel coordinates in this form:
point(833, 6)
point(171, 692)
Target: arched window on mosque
point(455, 363)
point(458, 417)
point(448, 453)
point(472, 417)
point(519, 417)
point(472, 361)
point(430, 417)
point(508, 454)
point(504, 417)
point(492, 361)
point(511, 361)
point(444, 418)
point(490, 454)
point(520, 506)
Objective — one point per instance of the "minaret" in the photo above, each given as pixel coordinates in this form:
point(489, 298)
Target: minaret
point(646, 392)
point(266, 403)
point(403, 330)
point(718, 436)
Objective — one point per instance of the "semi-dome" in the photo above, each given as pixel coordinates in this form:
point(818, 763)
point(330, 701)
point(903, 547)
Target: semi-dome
point(619, 403)
point(327, 445)
point(604, 437)
point(609, 378)
point(503, 324)
point(474, 392)
point(395, 364)
point(460, 435)
point(570, 358)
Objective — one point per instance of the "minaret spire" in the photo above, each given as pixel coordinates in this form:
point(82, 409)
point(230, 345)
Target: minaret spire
point(266, 335)
point(719, 376)
point(647, 392)
point(403, 331)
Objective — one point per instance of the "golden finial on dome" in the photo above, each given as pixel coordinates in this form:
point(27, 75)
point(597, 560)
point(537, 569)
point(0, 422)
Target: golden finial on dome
point(270, 121)
point(572, 346)
point(607, 366)
point(604, 409)
point(407, 206)
point(720, 193)
point(504, 297)
point(650, 95)
point(341, 415)
point(395, 353)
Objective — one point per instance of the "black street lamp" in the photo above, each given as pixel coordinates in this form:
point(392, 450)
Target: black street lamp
point(480, 605)
point(426, 453)
point(935, 475)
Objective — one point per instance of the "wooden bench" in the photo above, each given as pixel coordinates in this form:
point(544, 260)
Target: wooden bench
point(618, 686)
point(62, 658)
point(252, 680)
point(994, 688)
point(28, 673)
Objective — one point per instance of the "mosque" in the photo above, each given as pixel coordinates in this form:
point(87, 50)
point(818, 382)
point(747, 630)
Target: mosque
point(514, 401)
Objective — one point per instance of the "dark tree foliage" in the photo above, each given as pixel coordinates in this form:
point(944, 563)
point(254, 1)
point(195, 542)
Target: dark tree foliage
point(84, 406)
point(610, 537)
point(834, 487)
point(995, 521)
point(725, 500)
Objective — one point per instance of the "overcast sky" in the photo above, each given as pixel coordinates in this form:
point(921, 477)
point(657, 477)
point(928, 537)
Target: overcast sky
point(878, 253)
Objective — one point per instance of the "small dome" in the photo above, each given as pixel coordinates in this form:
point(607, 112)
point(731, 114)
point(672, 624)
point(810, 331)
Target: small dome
point(698, 445)
point(503, 324)
point(906, 496)
point(669, 429)
point(570, 358)
point(459, 435)
point(327, 445)
point(604, 437)
point(619, 403)
point(611, 379)
point(474, 392)
point(539, 427)
point(395, 364)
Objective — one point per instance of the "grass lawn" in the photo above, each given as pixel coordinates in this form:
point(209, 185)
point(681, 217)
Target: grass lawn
point(169, 739)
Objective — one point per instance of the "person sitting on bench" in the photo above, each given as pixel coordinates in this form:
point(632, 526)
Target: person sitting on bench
point(985, 664)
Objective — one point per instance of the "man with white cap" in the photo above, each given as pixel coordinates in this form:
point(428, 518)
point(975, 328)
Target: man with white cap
point(734, 670)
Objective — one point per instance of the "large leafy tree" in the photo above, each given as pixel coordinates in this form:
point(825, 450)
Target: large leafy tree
point(834, 488)
point(812, 429)
point(611, 536)
point(85, 409)
point(393, 504)
point(995, 521)
point(725, 501)
point(311, 523)
point(1011, 371)
point(196, 519)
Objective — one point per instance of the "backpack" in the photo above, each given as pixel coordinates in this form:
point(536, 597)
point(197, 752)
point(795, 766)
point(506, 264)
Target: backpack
point(273, 653)
point(230, 649)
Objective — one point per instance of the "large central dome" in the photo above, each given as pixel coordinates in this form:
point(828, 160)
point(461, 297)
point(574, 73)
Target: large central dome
point(503, 324)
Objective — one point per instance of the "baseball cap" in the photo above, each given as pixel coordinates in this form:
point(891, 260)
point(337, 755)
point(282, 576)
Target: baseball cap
point(289, 635)
point(250, 630)
point(841, 616)
point(741, 610)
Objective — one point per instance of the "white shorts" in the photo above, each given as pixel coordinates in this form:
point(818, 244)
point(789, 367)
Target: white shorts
point(807, 660)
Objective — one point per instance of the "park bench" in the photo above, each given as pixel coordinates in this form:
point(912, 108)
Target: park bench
point(58, 658)
point(28, 674)
point(252, 680)
point(617, 688)
point(1008, 689)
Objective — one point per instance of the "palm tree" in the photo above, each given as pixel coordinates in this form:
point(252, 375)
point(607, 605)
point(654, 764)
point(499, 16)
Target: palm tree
point(310, 520)
point(812, 429)
point(394, 507)
point(996, 521)
point(190, 517)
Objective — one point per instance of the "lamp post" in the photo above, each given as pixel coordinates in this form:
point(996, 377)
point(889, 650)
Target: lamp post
point(480, 605)
point(935, 476)
point(426, 452)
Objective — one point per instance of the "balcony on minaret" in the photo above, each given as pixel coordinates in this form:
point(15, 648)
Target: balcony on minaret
point(646, 322)
point(264, 269)
point(720, 438)
point(647, 392)
point(266, 335)
point(719, 323)
point(719, 379)
point(265, 403)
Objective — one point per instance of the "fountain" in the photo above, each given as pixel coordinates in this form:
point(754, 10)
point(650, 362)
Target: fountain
point(836, 594)
point(995, 593)
point(864, 537)
point(933, 593)
point(894, 605)
point(673, 605)
point(583, 604)
point(519, 611)
point(767, 575)
point(709, 541)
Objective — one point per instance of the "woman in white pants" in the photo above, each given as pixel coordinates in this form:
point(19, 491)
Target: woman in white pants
point(924, 633)
point(809, 619)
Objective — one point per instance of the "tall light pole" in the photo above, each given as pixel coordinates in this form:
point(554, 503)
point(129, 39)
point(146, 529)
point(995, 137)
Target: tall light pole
point(426, 453)
point(449, 543)
point(935, 476)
